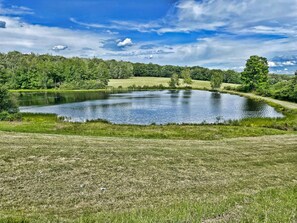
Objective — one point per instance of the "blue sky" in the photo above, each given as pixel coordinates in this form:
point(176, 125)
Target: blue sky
point(210, 33)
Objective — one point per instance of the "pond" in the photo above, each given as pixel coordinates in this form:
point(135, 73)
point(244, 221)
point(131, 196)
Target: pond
point(146, 107)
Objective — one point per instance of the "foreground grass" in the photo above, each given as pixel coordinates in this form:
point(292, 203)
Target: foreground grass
point(54, 178)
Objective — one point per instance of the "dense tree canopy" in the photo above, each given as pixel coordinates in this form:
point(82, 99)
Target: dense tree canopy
point(255, 73)
point(31, 71)
point(255, 78)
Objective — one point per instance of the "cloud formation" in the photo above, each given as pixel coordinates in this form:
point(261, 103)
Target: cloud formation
point(125, 42)
point(14, 10)
point(223, 34)
point(28, 38)
point(58, 48)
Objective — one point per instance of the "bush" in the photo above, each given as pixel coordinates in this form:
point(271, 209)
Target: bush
point(243, 88)
point(264, 89)
point(7, 102)
point(6, 116)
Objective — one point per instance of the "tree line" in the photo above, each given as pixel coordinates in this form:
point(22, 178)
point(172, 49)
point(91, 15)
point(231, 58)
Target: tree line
point(196, 72)
point(32, 71)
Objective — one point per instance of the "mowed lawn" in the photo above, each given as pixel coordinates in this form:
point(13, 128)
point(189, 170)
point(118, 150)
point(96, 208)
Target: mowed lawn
point(55, 178)
point(154, 81)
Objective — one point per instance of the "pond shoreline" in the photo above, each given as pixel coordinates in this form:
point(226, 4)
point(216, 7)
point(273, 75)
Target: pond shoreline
point(148, 107)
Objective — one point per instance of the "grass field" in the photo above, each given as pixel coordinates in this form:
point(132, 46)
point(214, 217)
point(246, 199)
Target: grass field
point(56, 171)
point(154, 81)
point(54, 178)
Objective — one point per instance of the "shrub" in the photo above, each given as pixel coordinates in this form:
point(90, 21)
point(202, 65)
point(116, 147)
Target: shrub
point(6, 116)
point(7, 101)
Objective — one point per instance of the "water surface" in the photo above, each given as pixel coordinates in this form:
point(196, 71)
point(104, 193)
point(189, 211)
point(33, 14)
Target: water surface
point(147, 107)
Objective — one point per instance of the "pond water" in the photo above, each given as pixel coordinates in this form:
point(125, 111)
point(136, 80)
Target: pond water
point(146, 107)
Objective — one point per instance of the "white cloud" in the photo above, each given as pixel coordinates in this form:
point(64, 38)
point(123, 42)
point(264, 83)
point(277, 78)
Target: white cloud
point(28, 38)
point(289, 63)
point(14, 10)
point(272, 64)
point(59, 48)
point(246, 16)
point(125, 42)
point(238, 24)
point(122, 25)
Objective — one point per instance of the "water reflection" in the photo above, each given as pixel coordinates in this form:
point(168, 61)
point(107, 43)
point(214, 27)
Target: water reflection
point(53, 98)
point(146, 107)
point(253, 105)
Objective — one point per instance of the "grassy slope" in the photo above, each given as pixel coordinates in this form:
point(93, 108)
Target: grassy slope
point(60, 178)
point(149, 180)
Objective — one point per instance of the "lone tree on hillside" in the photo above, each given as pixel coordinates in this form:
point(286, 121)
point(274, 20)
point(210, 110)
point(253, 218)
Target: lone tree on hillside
point(255, 73)
point(174, 81)
point(216, 80)
point(186, 75)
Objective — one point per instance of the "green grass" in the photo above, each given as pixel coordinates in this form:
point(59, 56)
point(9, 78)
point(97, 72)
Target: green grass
point(56, 178)
point(40, 123)
point(285, 104)
point(35, 123)
point(136, 81)
point(154, 81)
point(244, 171)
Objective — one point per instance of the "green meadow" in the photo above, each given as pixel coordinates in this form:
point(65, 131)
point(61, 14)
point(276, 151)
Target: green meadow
point(239, 171)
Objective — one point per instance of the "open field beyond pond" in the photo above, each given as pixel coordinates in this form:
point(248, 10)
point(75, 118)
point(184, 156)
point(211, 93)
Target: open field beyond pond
point(155, 81)
point(86, 179)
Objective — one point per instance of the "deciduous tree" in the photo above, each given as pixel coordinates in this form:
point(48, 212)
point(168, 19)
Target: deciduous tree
point(186, 75)
point(255, 73)
point(216, 80)
point(174, 81)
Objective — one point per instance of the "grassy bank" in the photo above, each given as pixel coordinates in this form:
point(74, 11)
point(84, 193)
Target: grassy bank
point(85, 179)
point(35, 123)
point(272, 101)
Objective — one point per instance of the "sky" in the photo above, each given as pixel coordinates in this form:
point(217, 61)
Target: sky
point(210, 33)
